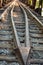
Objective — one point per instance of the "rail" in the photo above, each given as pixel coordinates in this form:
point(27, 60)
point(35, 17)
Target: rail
point(3, 15)
point(38, 22)
point(16, 37)
point(27, 37)
point(6, 6)
point(15, 32)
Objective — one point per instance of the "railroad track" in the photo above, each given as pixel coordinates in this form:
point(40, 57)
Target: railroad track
point(39, 22)
point(20, 26)
point(4, 8)
point(21, 38)
point(7, 41)
point(37, 15)
point(36, 39)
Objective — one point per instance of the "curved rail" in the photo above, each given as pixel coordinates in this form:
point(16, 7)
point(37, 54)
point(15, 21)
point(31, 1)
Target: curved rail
point(16, 36)
point(15, 32)
point(36, 37)
point(27, 43)
point(23, 50)
point(37, 15)
point(3, 15)
point(3, 9)
point(5, 6)
point(7, 56)
point(38, 22)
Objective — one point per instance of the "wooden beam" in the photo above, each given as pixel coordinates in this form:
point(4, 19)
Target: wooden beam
point(5, 45)
point(35, 61)
point(7, 58)
point(36, 48)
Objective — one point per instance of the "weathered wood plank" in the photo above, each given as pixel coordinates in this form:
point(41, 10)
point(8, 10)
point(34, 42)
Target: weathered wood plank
point(37, 41)
point(35, 61)
point(7, 58)
point(36, 35)
point(5, 45)
point(38, 48)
